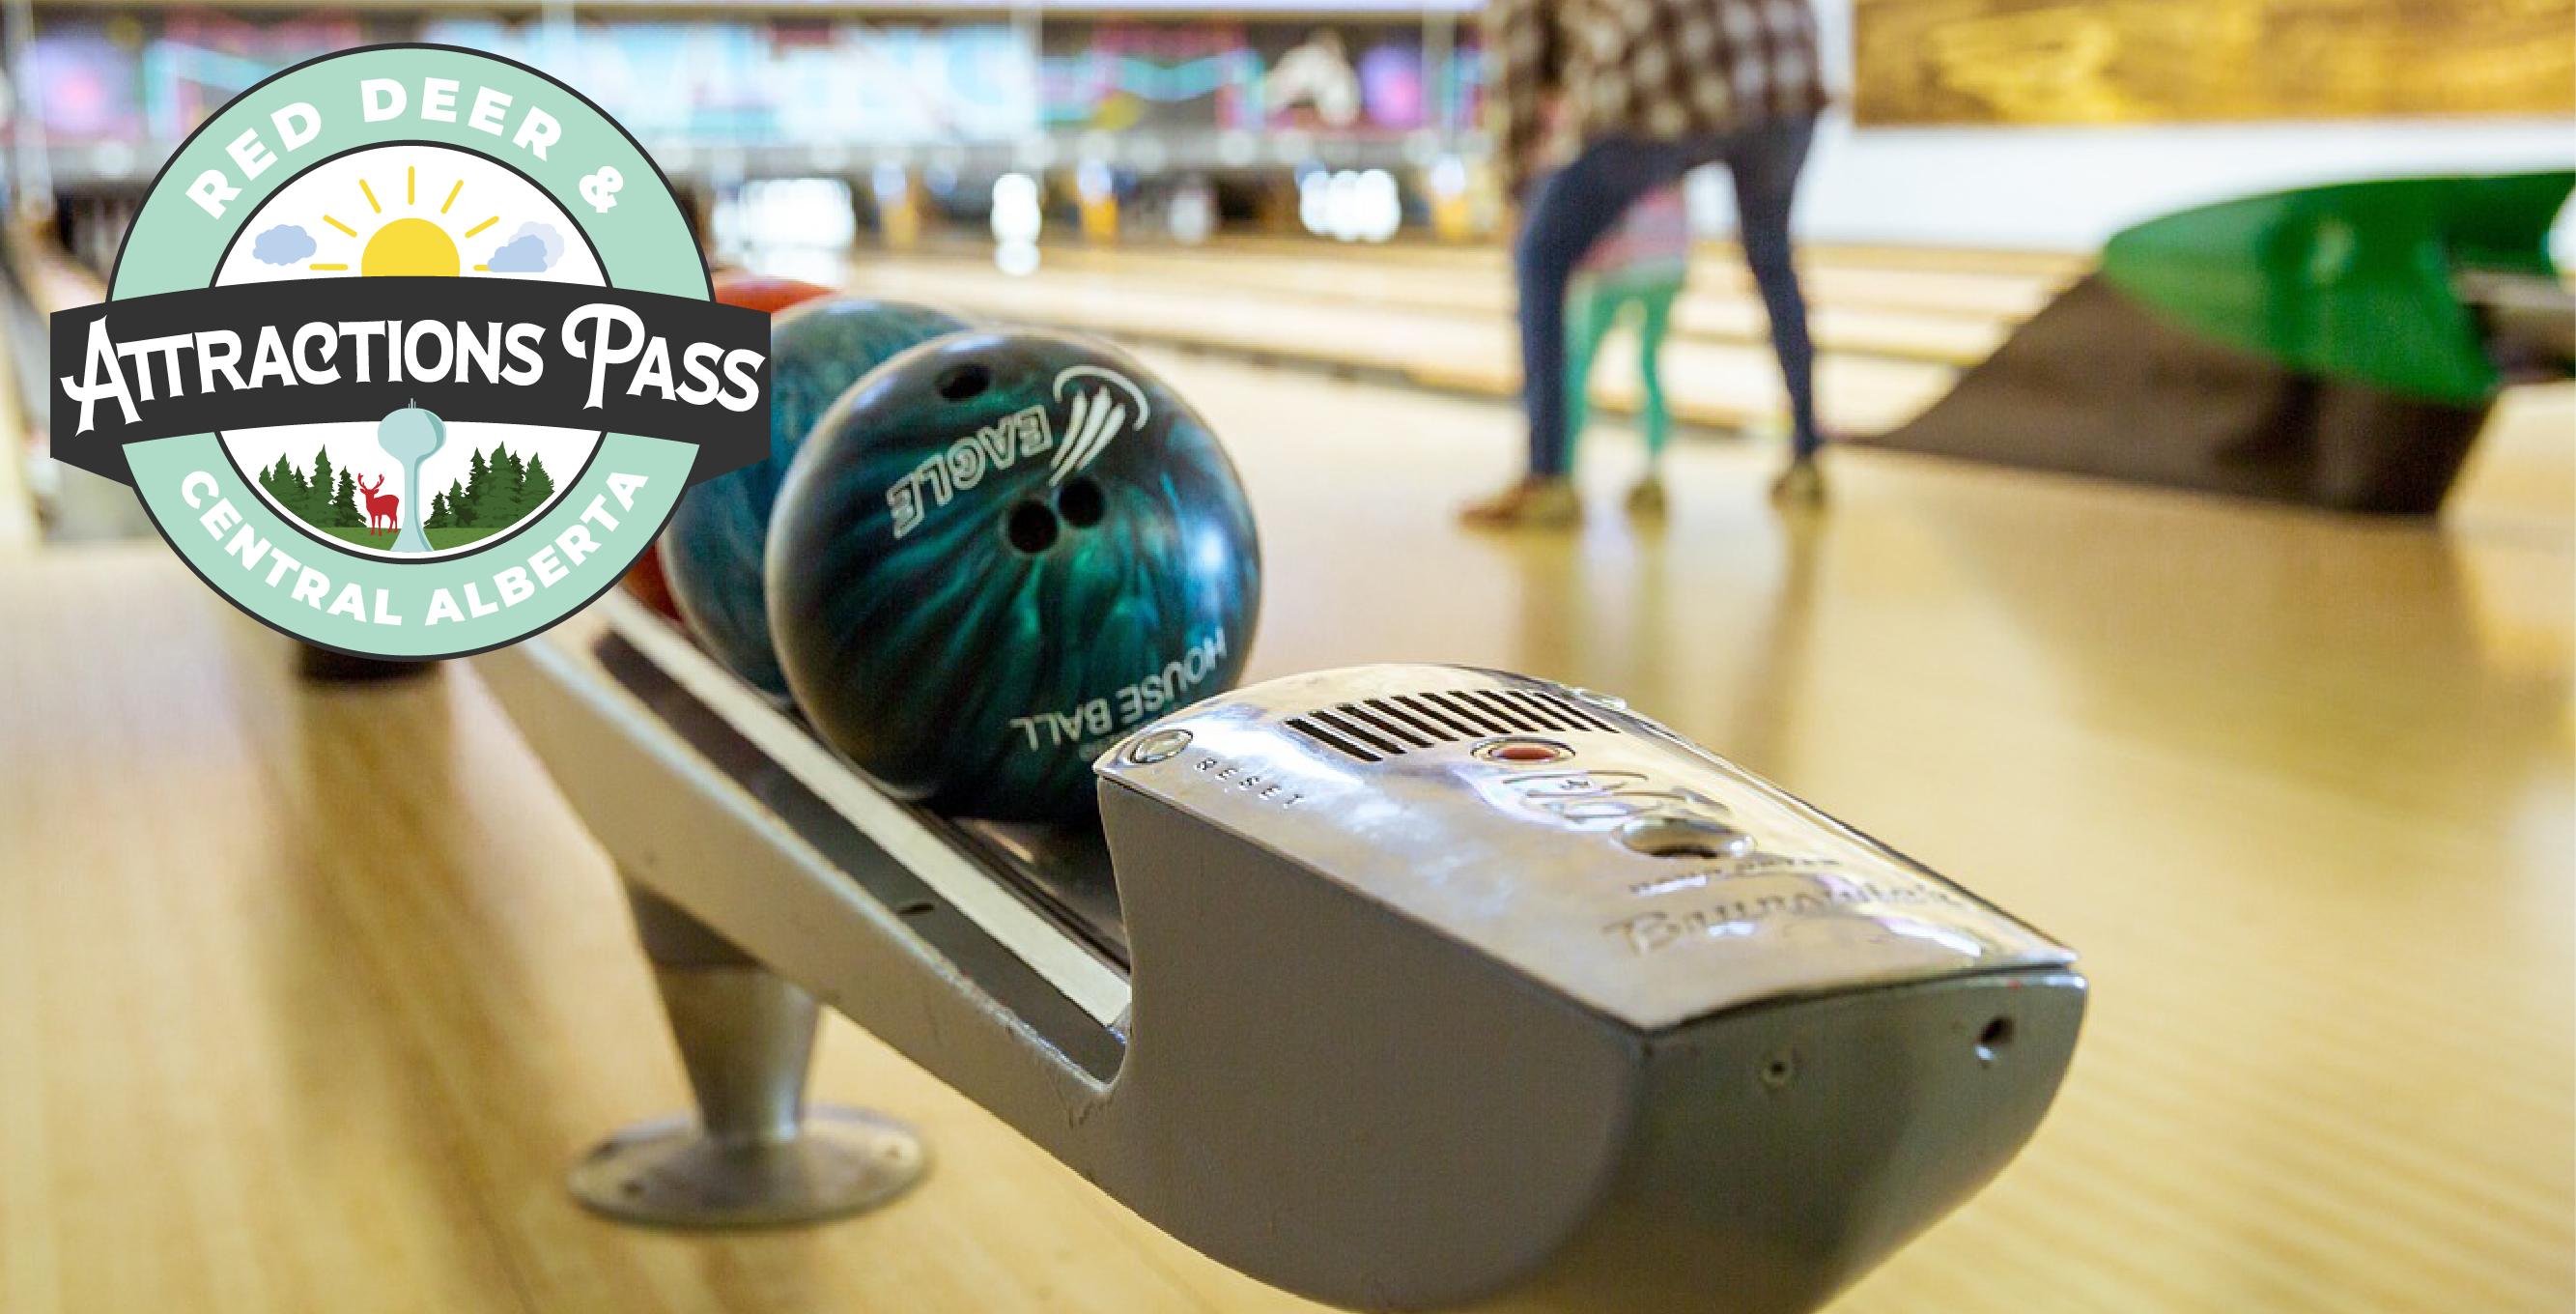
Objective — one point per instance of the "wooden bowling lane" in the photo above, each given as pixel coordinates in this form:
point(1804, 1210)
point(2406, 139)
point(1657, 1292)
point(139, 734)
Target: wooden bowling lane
point(1988, 260)
point(307, 997)
point(1719, 304)
point(2520, 478)
point(75, 504)
point(1996, 284)
point(22, 366)
point(1726, 385)
point(18, 528)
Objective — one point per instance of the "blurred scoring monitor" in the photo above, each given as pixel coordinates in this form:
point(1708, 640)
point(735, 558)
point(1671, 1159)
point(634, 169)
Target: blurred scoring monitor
point(2161, 61)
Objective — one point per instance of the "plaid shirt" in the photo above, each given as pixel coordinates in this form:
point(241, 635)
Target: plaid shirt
point(1644, 68)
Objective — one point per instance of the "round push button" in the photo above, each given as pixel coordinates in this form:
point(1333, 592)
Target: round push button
point(1598, 699)
point(1669, 836)
point(1146, 750)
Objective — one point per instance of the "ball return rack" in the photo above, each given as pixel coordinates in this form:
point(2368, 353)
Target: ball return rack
point(1399, 987)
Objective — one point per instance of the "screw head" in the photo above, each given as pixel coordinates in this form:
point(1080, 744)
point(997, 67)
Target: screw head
point(1780, 1069)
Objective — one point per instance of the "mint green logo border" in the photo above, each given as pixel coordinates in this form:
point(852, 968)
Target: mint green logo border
point(502, 594)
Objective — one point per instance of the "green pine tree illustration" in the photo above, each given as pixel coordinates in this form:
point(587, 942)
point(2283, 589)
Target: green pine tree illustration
point(344, 503)
point(315, 506)
point(497, 506)
point(540, 486)
point(518, 503)
point(478, 481)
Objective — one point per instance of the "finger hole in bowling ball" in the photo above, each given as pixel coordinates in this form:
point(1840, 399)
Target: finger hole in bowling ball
point(1031, 528)
point(962, 382)
point(1082, 504)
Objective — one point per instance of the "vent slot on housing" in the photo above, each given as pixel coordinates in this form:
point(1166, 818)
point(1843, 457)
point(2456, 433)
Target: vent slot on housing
point(1375, 729)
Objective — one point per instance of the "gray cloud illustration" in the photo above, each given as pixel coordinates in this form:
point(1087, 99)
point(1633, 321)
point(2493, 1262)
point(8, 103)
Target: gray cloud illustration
point(283, 245)
point(519, 255)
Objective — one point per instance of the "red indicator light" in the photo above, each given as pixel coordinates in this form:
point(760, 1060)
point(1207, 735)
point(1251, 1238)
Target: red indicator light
point(1524, 752)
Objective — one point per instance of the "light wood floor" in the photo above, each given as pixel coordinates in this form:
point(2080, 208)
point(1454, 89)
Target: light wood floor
point(307, 997)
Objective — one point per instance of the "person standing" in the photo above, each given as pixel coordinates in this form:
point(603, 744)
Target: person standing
point(1642, 263)
point(1651, 89)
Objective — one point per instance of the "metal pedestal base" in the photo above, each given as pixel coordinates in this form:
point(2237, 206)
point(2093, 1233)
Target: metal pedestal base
point(670, 1173)
point(754, 1155)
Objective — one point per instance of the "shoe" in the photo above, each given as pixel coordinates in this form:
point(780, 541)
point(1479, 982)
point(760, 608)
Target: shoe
point(1538, 502)
point(1647, 498)
point(1802, 484)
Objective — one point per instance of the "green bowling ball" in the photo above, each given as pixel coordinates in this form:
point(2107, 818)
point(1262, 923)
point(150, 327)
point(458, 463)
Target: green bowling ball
point(998, 554)
point(712, 548)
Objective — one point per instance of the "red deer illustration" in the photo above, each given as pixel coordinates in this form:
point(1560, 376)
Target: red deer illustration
point(380, 507)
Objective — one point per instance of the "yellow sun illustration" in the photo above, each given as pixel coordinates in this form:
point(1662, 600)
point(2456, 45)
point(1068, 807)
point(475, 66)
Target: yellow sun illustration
point(408, 246)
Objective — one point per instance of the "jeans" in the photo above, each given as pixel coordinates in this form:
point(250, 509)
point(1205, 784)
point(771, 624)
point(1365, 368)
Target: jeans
point(1575, 205)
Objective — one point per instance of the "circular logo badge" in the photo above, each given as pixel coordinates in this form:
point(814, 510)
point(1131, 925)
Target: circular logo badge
point(409, 354)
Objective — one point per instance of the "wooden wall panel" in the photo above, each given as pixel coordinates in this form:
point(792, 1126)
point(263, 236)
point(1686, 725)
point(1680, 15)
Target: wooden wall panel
point(2170, 61)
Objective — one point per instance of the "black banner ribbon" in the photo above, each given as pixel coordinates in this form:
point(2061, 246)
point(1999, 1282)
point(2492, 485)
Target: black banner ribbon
point(534, 357)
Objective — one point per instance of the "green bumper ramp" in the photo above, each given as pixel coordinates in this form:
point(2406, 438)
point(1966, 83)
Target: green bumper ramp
point(2333, 347)
point(2354, 280)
